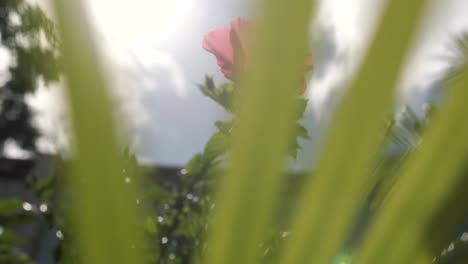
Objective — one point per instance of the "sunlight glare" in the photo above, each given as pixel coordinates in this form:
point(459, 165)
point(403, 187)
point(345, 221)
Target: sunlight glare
point(131, 21)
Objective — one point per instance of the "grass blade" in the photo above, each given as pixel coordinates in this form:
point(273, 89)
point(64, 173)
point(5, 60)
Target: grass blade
point(335, 192)
point(262, 137)
point(423, 187)
point(106, 221)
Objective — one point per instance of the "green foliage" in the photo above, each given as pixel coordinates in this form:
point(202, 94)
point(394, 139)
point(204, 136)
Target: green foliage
point(13, 215)
point(225, 95)
point(216, 147)
point(30, 38)
point(11, 255)
point(9, 207)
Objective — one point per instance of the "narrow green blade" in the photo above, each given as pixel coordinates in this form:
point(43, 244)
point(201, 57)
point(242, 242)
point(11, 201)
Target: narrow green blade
point(337, 189)
point(105, 216)
point(263, 134)
point(423, 187)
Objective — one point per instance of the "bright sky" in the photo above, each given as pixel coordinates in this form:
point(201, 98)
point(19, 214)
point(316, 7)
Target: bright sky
point(155, 46)
point(352, 21)
point(349, 24)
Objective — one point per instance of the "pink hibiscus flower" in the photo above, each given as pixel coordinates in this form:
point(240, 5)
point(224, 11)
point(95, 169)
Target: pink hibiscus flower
point(230, 46)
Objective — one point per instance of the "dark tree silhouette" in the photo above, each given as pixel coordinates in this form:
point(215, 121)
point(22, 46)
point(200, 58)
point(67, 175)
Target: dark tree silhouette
point(29, 37)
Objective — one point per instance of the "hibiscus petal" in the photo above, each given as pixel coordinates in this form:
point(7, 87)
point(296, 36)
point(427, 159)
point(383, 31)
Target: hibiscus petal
point(218, 42)
point(228, 72)
point(226, 68)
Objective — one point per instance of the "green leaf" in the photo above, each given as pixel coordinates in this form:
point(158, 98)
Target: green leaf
point(207, 91)
point(295, 147)
point(195, 165)
point(216, 146)
point(223, 94)
point(209, 82)
point(45, 188)
point(301, 106)
point(302, 132)
point(224, 127)
point(9, 207)
point(10, 238)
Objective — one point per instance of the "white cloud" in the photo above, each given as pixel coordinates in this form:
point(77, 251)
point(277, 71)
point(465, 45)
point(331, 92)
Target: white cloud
point(51, 117)
point(353, 22)
point(140, 20)
point(5, 60)
point(155, 48)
